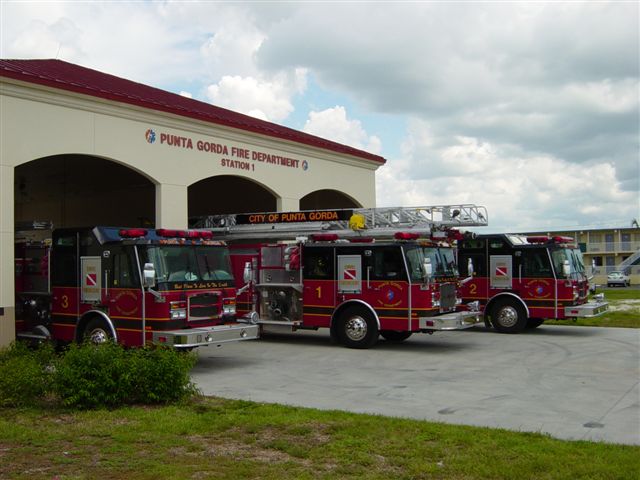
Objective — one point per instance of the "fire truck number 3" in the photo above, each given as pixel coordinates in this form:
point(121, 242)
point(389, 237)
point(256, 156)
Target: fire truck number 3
point(65, 301)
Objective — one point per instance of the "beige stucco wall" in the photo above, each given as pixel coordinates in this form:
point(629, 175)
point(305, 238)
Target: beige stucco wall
point(7, 320)
point(37, 122)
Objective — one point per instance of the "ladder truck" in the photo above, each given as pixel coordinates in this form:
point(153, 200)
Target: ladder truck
point(133, 286)
point(521, 281)
point(361, 273)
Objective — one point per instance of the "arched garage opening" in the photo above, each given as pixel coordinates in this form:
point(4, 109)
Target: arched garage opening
point(81, 190)
point(326, 199)
point(229, 194)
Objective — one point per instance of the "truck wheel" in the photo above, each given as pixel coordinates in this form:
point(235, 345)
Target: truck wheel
point(534, 323)
point(97, 332)
point(394, 335)
point(508, 316)
point(357, 328)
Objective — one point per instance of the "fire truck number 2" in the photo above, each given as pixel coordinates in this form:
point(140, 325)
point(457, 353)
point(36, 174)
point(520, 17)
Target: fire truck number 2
point(473, 288)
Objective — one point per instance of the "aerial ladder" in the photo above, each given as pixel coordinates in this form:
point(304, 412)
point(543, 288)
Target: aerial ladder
point(348, 224)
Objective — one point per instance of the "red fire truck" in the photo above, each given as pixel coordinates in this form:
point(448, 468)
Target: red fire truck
point(359, 272)
point(522, 281)
point(130, 285)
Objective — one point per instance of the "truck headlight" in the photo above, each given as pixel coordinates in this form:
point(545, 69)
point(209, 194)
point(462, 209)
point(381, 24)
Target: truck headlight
point(178, 314)
point(228, 306)
point(435, 301)
point(178, 310)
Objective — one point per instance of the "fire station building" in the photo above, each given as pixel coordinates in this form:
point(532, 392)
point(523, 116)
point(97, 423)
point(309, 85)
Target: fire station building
point(79, 147)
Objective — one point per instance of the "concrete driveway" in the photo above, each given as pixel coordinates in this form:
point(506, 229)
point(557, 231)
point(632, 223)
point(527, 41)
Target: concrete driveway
point(578, 383)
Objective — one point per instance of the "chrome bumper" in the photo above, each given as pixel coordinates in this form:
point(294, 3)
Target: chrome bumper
point(591, 309)
point(205, 336)
point(450, 321)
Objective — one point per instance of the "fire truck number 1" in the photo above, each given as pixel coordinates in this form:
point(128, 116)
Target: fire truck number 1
point(319, 290)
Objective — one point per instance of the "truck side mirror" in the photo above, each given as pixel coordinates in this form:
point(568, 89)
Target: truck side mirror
point(470, 268)
point(247, 274)
point(566, 269)
point(427, 268)
point(149, 275)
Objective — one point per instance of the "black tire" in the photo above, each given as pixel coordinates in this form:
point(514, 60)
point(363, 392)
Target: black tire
point(508, 316)
point(97, 332)
point(357, 328)
point(394, 336)
point(534, 323)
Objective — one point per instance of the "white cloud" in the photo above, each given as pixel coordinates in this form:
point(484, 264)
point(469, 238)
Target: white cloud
point(268, 99)
point(606, 96)
point(232, 48)
point(521, 191)
point(60, 39)
point(334, 125)
point(557, 79)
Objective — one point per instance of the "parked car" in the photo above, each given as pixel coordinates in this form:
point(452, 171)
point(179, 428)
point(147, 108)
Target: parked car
point(615, 279)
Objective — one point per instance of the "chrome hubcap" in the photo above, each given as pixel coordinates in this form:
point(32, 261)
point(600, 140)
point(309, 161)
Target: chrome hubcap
point(355, 328)
point(507, 316)
point(98, 336)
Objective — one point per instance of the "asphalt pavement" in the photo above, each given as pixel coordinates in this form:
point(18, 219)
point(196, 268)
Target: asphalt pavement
point(575, 383)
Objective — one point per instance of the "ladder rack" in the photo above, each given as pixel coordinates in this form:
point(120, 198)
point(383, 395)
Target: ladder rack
point(348, 223)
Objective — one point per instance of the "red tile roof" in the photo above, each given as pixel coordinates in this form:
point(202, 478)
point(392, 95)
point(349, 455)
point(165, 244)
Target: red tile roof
point(74, 78)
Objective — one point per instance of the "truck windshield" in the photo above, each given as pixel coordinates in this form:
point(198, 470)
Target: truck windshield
point(573, 255)
point(179, 263)
point(443, 261)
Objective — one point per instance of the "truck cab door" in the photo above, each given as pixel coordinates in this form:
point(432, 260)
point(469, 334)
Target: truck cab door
point(121, 295)
point(319, 290)
point(386, 287)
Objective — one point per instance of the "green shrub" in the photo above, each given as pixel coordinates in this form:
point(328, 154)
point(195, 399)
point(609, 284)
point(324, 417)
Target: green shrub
point(25, 374)
point(90, 376)
point(161, 375)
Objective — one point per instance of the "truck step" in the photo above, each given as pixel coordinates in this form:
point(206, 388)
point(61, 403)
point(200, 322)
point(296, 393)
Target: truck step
point(32, 336)
point(284, 323)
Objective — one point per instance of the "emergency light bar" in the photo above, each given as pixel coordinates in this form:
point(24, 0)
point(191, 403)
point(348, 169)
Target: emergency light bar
point(563, 239)
point(406, 236)
point(132, 232)
point(538, 239)
point(546, 239)
point(167, 233)
point(361, 240)
point(324, 237)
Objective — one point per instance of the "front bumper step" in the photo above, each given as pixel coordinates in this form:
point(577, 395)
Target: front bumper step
point(450, 321)
point(586, 310)
point(205, 336)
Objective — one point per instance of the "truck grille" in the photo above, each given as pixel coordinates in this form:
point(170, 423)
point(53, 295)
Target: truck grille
point(204, 307)
point(447, 296)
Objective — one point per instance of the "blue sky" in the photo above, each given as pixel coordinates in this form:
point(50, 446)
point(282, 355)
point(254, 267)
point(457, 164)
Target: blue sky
point(531, 109)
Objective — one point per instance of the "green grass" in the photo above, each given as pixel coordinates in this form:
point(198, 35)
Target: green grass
point(624, 311)
point(227, 439)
